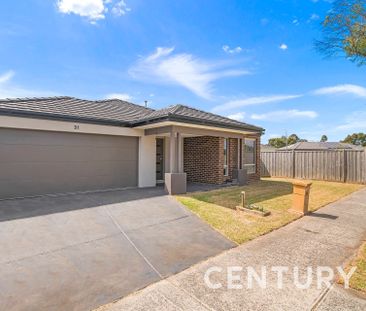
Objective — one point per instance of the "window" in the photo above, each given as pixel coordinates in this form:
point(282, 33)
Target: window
point(226, 158)
point(249, 155)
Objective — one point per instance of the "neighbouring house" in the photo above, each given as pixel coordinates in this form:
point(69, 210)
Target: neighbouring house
point(302, 146)
point(64, 144)
point(265, 148)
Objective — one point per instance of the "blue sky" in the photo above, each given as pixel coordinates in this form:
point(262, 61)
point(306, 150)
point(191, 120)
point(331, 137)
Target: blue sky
point(251, 60)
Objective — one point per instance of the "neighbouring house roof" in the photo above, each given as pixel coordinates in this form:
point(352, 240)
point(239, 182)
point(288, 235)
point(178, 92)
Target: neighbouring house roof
point(321, 146)
point(113, 111)
point(268, 148)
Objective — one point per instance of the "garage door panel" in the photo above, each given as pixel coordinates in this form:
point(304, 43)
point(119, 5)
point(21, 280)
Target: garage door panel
point(63, 170)
point(29, 137)
point(44, 170)
point(36, 162)
point(38, 153)
point(33, 153)
point(114, 154)
point(35, 179)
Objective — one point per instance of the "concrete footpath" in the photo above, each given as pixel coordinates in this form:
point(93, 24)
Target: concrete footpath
point(328, 237)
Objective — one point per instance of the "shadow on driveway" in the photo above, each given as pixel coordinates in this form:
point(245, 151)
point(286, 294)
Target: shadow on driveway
point(77, 252)
point(59, 203)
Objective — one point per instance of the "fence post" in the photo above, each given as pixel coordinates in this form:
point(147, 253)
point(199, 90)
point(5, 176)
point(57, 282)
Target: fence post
point(293, 164)
point(345, 172)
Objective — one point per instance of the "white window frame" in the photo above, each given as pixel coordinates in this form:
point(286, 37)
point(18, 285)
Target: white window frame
point(226, 157)
point(250, 167)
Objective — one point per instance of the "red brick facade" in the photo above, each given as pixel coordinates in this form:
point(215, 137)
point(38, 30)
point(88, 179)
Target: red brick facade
point(233, 157)
point(204, 159)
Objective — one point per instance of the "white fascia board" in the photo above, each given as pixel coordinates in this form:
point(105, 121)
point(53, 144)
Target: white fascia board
point(198, 126)
point(63, 126)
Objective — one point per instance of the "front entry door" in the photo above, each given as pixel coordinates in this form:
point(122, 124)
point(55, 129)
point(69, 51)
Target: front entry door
point(159, 159)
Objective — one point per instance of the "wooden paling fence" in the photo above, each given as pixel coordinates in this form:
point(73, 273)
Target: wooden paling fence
point(330, 165)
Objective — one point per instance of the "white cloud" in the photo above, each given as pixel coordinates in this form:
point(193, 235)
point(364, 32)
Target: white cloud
point(120, 8)
point(228, 50)
point(239, 116)
point(121, 96)
point(9, 90)
point(249, 101)
point(196, 75)
point(5, 77)
point(19, 92)
point(355, 121)
point(313, 17)
point(281, 115)
point(159, 53)
point(93, 10)
point(283, 46)
point(342, 89)
point(296, 22)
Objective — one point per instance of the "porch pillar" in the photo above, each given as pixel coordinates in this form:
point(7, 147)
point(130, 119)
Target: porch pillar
point(242, 172)
point(180, 153)
point(175, 180)
point(173, 152)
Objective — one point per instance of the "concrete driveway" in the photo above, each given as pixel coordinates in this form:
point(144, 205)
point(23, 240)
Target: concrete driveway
point(77, 252)
point(328, 237)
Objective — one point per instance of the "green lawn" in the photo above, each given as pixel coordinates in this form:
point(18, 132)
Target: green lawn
point(358, 279)
point(272, 194)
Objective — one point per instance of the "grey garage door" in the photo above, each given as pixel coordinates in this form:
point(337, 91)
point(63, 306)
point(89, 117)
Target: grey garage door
point(40, 162)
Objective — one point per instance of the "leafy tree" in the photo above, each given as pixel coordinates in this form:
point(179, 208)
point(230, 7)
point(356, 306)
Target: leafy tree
point(283, 141)
point(358, 139)
point(293, 139)
point(324, 138)
point(277, 142)
point(344, 31)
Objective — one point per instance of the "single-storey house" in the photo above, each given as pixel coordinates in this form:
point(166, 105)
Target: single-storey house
point(64, 144)
point(327, 145)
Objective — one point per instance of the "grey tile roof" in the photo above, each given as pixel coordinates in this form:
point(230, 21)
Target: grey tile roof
point(113, 111)
point(321, 146)
point(189, 114)
point(100, 111)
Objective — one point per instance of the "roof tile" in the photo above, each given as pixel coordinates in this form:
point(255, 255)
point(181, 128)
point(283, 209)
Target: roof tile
point(113, 111)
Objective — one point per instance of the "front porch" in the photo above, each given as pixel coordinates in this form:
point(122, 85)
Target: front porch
point(204, 156)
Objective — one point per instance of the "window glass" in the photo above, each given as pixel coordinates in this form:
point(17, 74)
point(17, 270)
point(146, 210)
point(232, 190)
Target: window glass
point(226, 160)
point(249, 155)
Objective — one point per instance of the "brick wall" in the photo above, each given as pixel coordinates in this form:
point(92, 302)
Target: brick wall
point(204, 159)
point(233, 157)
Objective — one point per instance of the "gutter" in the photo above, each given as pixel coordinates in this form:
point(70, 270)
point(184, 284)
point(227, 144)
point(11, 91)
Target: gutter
point(57, 117)
point(132, 124)
point(188, 120)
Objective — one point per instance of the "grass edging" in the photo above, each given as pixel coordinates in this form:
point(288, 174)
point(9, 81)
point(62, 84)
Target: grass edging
point(273, 195)
point(358, 279)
